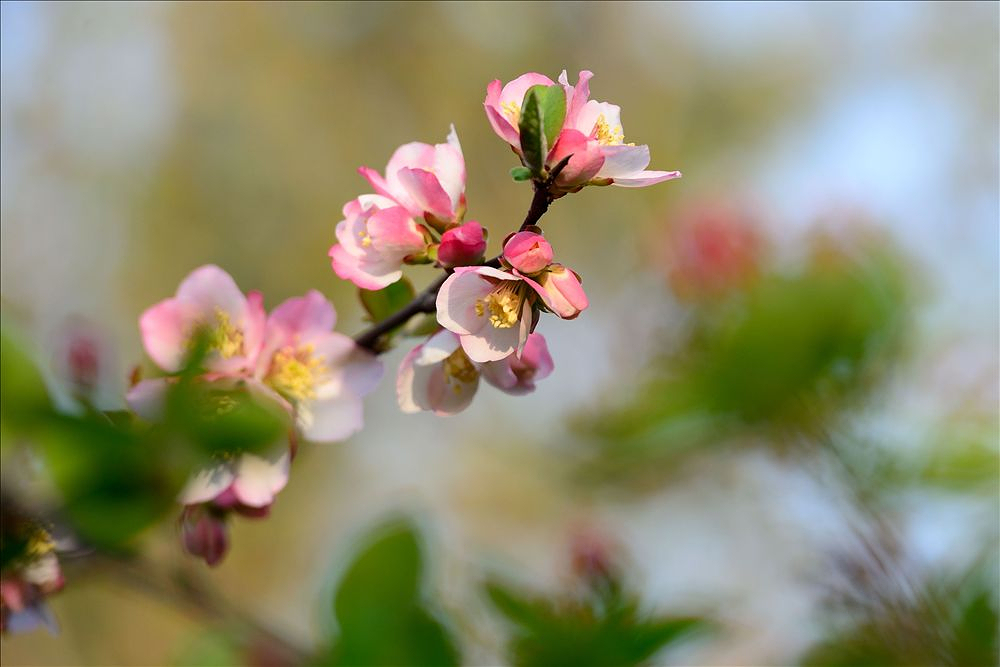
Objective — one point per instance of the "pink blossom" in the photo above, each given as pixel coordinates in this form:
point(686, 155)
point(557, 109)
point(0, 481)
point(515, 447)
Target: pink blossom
point(204, 534)
point(207, 299)
point(425, 179)
point(592, 134)
point(245, 482)
point(517, 375)
point(462, 245)
point(527, 252)
point(503, 105)
point(600, 124)
point(493, 311)
point(490, 310)
point(374, 237)
point(437, 375)
point(320, 372)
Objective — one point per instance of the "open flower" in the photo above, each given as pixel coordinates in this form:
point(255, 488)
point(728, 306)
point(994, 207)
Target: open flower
point(592, 134)
point(374, 238)
point(604, 150)
point(503, 105)
point(208, 300)
point(493, 311)
point(439, 376)
point(320, 372)
point(517, 374)
point(425, 179)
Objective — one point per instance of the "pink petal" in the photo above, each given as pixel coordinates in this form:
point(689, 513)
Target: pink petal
point(166, 330)
point(332, 419)
point(394, 233)
point(427, 193)
point(207, 483)
point(643, 178)
point(209, 287)
point(147, 398)
point(586, 162)
point(623, 161)
point(456, 301)
point(363, 274)
point(303, 316)
point(491, 343)
point(259, 479)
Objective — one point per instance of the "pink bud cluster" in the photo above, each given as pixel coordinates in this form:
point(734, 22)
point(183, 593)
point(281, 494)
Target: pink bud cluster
point(290, 358)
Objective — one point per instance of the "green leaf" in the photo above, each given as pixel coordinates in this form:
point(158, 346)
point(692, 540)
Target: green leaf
point(379, 608)
point(533, 143)
point(382, 303)
point(520, 173)
point(553, 104)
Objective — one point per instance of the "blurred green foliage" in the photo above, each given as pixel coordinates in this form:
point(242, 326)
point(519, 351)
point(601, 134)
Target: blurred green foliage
point(603, 627)
point(949, 623)
point(115, 473)
point(780, 357)
point(380, 606)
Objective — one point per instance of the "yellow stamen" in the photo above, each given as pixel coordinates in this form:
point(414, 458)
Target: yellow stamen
point(40, 543)
point(458, 370)
point(225, 338)
point(366, 239)
point(503, 304)
point(607, 135)
point(513, 111)
point(296, 372)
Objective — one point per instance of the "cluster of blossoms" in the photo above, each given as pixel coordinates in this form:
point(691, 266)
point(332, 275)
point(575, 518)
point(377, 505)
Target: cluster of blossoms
point(290, 358)
point(26, 582)
point(486, 310)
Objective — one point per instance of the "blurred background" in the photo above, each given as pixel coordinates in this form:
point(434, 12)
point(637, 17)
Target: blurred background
point(779, 414)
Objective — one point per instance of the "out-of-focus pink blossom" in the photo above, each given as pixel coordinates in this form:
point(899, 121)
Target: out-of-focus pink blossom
point(374, 238)
point(462, 245)
point(711, 250)
point(209, 300)
point(517, 375)
point(437, 375)
point(425, 179)
point(527, 252)
point(322, 373)
point(204, 534)
point(26, 583)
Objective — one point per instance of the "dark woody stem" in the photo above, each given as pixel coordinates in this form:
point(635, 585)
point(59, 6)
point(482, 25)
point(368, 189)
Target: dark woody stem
point(371, 338)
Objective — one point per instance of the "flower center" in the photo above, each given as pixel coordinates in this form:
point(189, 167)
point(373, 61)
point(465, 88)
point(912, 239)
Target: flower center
point(366, 239)
point(513, 111)
point(225, 338)
point(459, 370)
point(295, 372)
point(503, 304)
point(607, 135)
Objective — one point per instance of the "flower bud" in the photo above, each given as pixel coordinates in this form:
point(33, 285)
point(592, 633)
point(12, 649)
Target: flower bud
point(462, 246)
point(528, 252)
point(204, 534)
point(563, 292)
